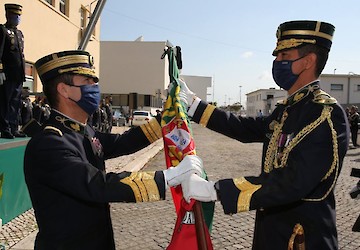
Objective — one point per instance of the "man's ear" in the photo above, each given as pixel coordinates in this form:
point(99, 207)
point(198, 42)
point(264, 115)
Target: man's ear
point(62, 89)
point(311, 60)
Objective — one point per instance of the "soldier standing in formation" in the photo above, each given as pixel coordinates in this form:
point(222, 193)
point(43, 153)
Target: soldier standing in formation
point(71, 190)
point(12, 72)
point(305, 140)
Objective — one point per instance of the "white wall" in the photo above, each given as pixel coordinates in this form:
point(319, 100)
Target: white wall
point(133, 67)
point(198, 84)
point(350, 94)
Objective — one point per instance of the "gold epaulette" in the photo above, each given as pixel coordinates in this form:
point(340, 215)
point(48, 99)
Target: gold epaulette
point(321, 97)
point(53, 130)
point(280, 102)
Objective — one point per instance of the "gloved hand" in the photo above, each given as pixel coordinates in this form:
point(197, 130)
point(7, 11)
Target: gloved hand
point(199, 189)
point(2, 78)
point(186, 95)
point(191, 164)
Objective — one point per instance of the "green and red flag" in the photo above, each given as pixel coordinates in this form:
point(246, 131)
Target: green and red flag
point(177, 134)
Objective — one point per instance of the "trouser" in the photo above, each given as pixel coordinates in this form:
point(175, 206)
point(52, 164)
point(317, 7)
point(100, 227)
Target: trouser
point(10, 102)
point(354, 135)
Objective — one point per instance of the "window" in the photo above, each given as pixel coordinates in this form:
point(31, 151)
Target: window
point(63, 6)
point(51, 2)
point(29, 76)
point(337, 87)
point(358, 87)
point(147, 100)
point(83, 17)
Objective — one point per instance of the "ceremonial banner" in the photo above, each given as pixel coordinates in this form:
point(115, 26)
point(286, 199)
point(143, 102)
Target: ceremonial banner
point(178, 140)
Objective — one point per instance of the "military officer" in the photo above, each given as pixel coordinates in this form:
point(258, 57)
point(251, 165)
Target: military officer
point(304, 141)
point(12, 72)
point(64, 162)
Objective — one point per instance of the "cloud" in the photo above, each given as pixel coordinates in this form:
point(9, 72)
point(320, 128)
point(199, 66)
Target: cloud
point(247, 54)
point(266, 76)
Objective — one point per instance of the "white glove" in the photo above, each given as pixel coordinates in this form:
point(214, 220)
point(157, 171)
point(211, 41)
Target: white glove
point(191, 164)
point(2, 78)
point(199, 189)
point(186, 95)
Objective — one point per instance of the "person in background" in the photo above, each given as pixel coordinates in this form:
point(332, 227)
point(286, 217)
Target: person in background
point(70, 190)
point(158, 114)
point(12, 72)
point(109, 113)
point(305, 140)
point(26, 113)
point(354, 125)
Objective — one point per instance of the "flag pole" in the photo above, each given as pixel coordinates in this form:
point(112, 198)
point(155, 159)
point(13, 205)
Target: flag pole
point(200, 226)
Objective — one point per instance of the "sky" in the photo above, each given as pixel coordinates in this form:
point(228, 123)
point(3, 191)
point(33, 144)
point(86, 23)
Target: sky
point(232, 40)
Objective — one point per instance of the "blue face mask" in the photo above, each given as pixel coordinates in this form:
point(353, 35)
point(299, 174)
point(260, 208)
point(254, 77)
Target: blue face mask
point(14, 20)
point(282, 73)
point(90, 97)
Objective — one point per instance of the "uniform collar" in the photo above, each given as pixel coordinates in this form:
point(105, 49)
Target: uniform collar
point(68, 122)
point(8, 26)
point(302, 93)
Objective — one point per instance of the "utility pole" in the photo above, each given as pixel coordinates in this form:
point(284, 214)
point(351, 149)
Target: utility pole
point(213, 89)
point(240, 96)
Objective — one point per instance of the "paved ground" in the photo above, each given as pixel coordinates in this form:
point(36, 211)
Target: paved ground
point(150, 225)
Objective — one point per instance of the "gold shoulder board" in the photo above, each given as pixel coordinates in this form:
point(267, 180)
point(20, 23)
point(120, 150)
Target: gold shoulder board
point(53, 130)
point(321, 97)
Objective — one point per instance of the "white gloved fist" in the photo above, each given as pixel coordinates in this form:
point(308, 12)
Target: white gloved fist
point(199, 189)
point(2, 78)
point(191, 164)
point(186, 95)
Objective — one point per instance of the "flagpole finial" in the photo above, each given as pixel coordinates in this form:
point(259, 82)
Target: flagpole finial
point(169, 44)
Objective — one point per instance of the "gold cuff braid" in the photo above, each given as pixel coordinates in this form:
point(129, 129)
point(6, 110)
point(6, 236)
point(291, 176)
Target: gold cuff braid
point(206, 115)
point(247, 189)
point(152, 130)
point(143, 186)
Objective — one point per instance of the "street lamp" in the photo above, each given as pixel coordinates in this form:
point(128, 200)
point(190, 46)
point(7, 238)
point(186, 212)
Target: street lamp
point(240, 95)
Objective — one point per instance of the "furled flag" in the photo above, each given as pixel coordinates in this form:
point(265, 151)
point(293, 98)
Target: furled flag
point(178, 139)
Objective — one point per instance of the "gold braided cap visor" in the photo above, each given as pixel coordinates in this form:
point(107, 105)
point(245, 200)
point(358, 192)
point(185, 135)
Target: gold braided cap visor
point(13, 8)
point(295, 42)
point(60, 63)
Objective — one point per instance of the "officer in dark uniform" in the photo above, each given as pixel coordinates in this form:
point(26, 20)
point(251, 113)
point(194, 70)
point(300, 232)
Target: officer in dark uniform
point(64, 162)
point(304, 141)
point(12, 72)
point(109, 112)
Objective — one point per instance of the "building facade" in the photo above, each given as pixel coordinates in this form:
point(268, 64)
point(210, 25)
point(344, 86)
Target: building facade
point(198, 84)
point(50, 26)
point(135, 76)
point(345, 88)
point(263, 101)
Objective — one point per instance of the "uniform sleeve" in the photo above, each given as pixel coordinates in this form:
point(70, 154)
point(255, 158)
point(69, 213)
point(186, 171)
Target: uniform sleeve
point(2, 44)
point(65, 171)
point(240, 128)
point(309, 174)
point(131, 141)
